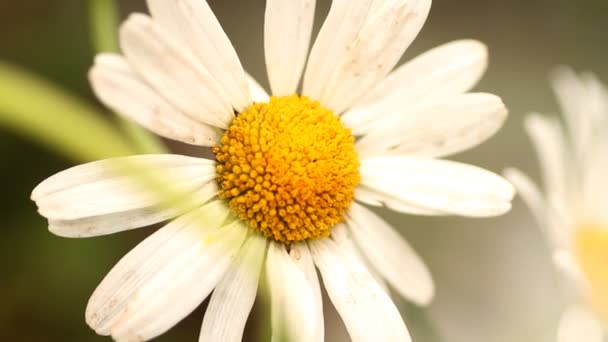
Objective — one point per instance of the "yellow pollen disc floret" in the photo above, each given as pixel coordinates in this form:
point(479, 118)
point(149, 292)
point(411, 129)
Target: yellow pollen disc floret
point(591, 245)
point(288, 167)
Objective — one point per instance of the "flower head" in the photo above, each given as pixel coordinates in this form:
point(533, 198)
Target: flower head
point(572, 209)
point(291, 171)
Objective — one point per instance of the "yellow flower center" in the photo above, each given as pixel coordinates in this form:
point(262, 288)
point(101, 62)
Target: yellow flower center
point(591, 244)
point(288, 167)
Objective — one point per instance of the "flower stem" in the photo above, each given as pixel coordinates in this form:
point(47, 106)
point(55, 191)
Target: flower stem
point(48, 114)
point(103, 16)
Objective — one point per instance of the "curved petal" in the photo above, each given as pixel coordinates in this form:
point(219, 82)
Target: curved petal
point(549, 141)
point(233, 297)
point(530, 193)
point(287, 31)
point(437, 128)
point(388, 31)
point(579, 324)
point(173, 72)
point(108, 196)
point(121, 89)
point(568, 265)
point(194, 26)
point(166, 276)
point(293, 303)
point(391, 255)
point(448, 70)
point(343, 23)
point(449, 187)
point(578, 101)
point(555, 230)
point(367, 311)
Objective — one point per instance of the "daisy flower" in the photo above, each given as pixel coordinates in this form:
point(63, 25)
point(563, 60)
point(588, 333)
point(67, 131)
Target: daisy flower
point(573, 207)
point(286, 193)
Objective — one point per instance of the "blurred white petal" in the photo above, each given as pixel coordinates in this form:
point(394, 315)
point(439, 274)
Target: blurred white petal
point(552, 222)
point(579, 325)
point(548, 138)
point(568, 265)
point(577, 104)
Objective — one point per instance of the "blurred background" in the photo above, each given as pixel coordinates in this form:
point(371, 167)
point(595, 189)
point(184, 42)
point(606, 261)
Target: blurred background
point(494, 278)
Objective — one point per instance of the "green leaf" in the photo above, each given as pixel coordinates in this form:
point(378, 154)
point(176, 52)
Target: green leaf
point(36, 108)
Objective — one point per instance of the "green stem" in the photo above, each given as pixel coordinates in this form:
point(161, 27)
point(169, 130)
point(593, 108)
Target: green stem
point(40, 110)
point(104, 30)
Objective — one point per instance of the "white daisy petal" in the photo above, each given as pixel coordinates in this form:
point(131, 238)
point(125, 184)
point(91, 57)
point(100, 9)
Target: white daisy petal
point(103, 197)
point(568, 265)
point(150, 289)
point(233, 297)
point(597, 103)
point(287, 31)
point(436, 128)
point(548, 138)
point(548, 219)
point(193, 25)
point(293, 302)
point(367, 311)
point(118, 87)
point(529, 192)
point(258, 94)
point(173, 72)
point(579, 324)
point(300, 254)
point(162, 304)
point(573, 97)
point(594, 185)
point(446, 186)
point(378, 199)
point(121, 221)
point(342, 236)
point(340, 29)
point(372, 54)
point(447, 70)
point(391, 255)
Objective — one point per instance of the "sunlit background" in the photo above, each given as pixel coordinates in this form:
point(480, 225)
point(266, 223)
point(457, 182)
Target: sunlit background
point(494, 278)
